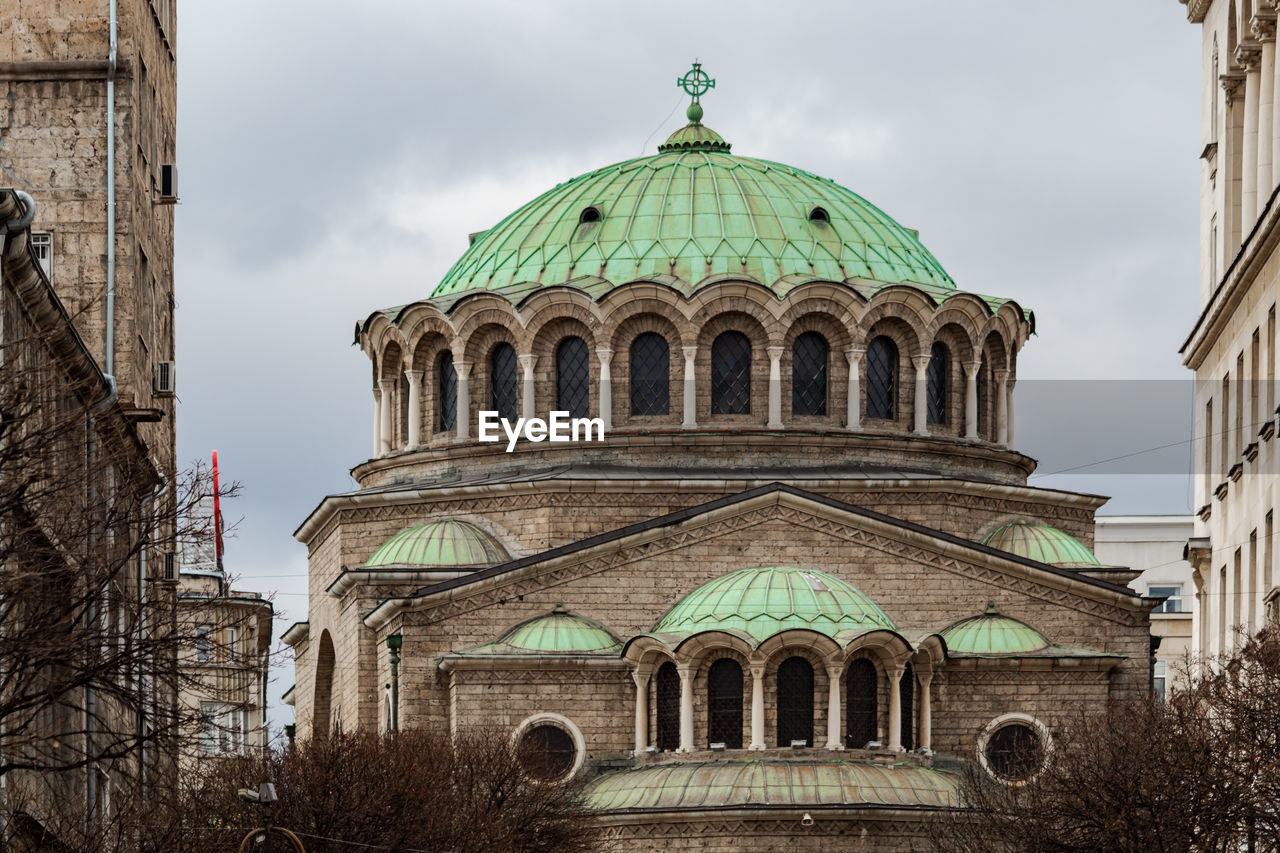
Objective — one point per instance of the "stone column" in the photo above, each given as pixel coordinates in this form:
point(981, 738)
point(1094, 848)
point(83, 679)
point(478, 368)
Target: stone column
point(853, 419)
point(1264, 30)
point(690, 389)
point(775, 387)
point(527, 363)
point(641, 678)
point(921, 363)
point(833, 706)
point(1248, 55)
point(414, 438)
point(926, 709)
point(686, 707)
point(1002, 407)
point(1275, 112)
point(606, 387)
point(1008, 411)
point(384, 429)
point(971, 399)
point(757, 706)
point(463, 406)
point(377, 422)
point(895, 707)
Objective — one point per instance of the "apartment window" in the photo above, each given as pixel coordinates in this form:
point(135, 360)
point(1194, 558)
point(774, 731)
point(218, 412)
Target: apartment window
point(231, 646)
point(1239, 423)
point(1255, 348)
point(1159, 675)
point(1213, 251)
point(1173, 602)
point(1208, 449)
point(1271, 362)
point(1268, 578)
point(1247, 609)
point(1235, 589)
point(1226, 431)
point(42, 244)
point(209, 728)
point(1222, 608)
point(204, 643)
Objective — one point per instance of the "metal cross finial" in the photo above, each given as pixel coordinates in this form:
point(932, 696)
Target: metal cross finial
point(696, 82)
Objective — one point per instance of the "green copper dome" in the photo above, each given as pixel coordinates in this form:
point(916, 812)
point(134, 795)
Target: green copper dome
point(761, 602)
point(692, 211)
point(1044, 544)
point(444, 544)
point(556, 633)
point(991, 633)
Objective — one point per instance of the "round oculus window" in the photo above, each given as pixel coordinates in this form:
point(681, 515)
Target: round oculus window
point(546, 752)
point(1014, 752)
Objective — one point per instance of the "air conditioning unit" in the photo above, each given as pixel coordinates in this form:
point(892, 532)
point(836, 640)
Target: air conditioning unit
point(170, 565)
point(165, 378)
point(168, 184)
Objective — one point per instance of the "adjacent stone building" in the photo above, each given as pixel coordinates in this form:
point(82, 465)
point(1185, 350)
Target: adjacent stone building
point(802, 573)
point(1232, 346)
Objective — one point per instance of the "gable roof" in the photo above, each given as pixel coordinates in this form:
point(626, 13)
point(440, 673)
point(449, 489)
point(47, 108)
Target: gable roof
point(674, 518)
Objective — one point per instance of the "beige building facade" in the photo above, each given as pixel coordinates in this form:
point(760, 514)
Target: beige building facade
point(1232, 346)
point(805, 548)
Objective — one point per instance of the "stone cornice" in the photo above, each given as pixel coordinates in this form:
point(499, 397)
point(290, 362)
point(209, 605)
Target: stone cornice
point(70, 69)
point(1197, 9)
point(1245, 267)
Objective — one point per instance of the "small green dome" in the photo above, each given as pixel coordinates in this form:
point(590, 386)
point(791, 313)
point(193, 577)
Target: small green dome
point(992, 633)
point(1044, 544)
point(761, 602)
point(688, 213)
point(443, 544)
point(556, 633)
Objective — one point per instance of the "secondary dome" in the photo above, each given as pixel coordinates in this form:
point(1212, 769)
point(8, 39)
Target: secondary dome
point(692, 211)
point(1044, 544)
point(763, 601)
point(444, 544)
point(556, 633)
point(992, 633)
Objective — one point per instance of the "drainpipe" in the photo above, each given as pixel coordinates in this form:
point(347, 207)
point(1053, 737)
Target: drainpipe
point(109, 359)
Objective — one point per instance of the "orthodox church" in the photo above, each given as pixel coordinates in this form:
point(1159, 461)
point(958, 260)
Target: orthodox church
point(800, 577)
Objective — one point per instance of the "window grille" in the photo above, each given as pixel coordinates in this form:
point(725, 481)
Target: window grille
point(546, 752)
point(650, 375)
point(861, 694)
point(573, 377)
point(809, 374)
point(936, 381)
point(503, 391)
point(795, 701)
point(731, 374)
point(907, 697)
point(1014, 752)
point(882, 379)
point(447, 385)
point(724, 703)
point(667, 699)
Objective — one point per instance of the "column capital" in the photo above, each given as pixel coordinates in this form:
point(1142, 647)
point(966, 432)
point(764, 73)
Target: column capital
point(757, 670)
point(1231, 82)
point(387, 385)
point(855, 354)
point(685, 668)
point(1001, 376)
point(921, 362)
point(641, 675)
point(925, 677)
point(775, 353)
point(527, 360)
point(414, 376)
point(835, 669)
point(1249, 55)
point(462, 368)
point(1263, 25)
point(971, 368)
point(605, 355)
point(689, 352)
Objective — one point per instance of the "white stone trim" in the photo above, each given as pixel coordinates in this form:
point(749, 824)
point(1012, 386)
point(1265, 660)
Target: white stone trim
point(1000, 722)
point(562, 722)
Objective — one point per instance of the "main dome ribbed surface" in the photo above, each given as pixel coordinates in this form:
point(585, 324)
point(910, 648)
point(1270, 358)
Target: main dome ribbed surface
point(684, 216)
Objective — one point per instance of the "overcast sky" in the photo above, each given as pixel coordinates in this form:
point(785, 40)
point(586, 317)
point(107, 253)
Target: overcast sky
point(334, 157)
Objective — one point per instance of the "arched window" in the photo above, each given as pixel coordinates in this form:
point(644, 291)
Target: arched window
point(907, 696)
point(650, 375)
point(984, 397)
point(573, 378)
point(731, 374)
point(446, 391)
point(503, 389)
point(667, 699)
point(936, 380)
point(809, 374)
point(724, 703)
point(882, 378)
point(795, 702)
point(861, 686)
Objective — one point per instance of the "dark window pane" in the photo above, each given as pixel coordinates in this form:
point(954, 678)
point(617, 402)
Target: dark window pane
point(861, 693)
point(938, 376)
point(731, 374)
point(650, 375)
point(546, 752)
point(795, 702)
point(984, 397)
point(573, 377)
point(503, 391)
point(724, 703)
point(1014, 752)
point(908, 698)
point(447, 391)
point(667, 699)
point(809, 375)
point(882, 379)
